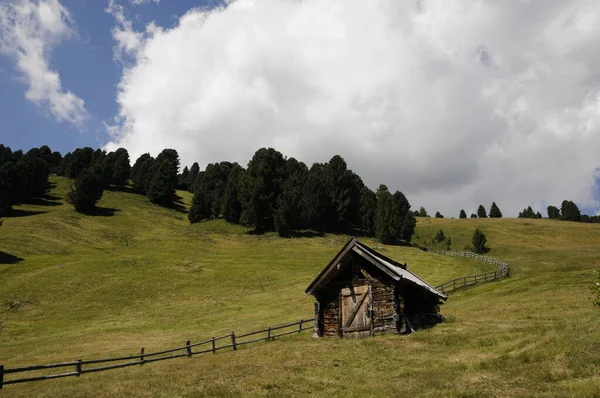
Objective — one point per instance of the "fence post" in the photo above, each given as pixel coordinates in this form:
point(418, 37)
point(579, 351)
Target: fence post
point(213, 345)
point(142, 356)
point(78, 367)
point(188, 348)
point(269, 333)
point(233, 341)
point(1, 376)
point(300, 327)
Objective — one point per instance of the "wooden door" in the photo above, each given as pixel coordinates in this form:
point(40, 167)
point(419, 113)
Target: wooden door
point(355, 317)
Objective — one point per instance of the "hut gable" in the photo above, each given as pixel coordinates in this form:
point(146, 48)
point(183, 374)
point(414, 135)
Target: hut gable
point(361, 293)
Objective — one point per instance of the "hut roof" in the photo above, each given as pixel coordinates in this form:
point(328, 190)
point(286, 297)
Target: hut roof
point(393, 269)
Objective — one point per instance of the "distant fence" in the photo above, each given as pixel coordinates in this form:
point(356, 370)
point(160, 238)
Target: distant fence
point(211, 345)
point(463, 281)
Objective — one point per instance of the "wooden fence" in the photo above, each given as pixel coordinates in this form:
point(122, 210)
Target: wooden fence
point(211, 345)
point(456, 283)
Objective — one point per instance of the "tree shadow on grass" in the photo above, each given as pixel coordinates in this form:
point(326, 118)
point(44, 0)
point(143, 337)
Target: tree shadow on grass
point(176, 205)
point(126, 189)
point(45, 201)
point(101, 212)
point(306, 234)
point(21, 213)
point(6, 258)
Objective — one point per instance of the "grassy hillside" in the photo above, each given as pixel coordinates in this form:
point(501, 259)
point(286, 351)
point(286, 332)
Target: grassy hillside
point(140, 275)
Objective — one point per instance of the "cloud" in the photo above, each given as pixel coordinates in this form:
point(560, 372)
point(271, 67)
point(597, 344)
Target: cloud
point(28, 32)
point(127, 40)
point(141, 2)
point(455, 103)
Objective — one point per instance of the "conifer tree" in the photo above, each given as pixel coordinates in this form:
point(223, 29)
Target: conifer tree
point(569, 211)
point(495, 211)
point(315, 204)
point(141, 173)
point(463, 214)
point(260, 187)
point(479, 240)
point(86, 191)
point(9, 194)
point(386, 216)
point(368, 206)
point(553, 212)
point(232, 207)
point(183, 179)
point(440, 236)
point(288, 213)
point(481, 213)
point(162, 185)
point(200, 209)
point(438, 215)
point(194, 171)
point(121, 168)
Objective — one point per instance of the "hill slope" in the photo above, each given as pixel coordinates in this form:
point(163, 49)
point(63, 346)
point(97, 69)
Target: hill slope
point(107, 285)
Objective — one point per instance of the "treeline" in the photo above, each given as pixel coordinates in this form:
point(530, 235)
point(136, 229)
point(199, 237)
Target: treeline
point(94, 171)
point(275, 193)
point(481, 212)
point(24, 176)
point(570, 212)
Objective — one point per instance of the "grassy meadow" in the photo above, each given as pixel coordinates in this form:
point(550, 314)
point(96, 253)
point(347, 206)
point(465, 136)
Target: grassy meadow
point(140, 275)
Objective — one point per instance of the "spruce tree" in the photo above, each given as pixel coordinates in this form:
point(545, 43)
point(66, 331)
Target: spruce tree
point(79, 159)
point(32, 174)
point(141, 173)
point(260, 187)
point(406, 220)
point(438, 215)
point(163, 183)
point(440, 236)
point(473, 215)
point(423, 212)
point(86, 191)
point(183, 179)
point(386, 216)
point(199, 210)
point(368, 207)
point(344, 188)
point(481, 213)
point(463, 214)
point(232, 207)
point(194, 171)
point(288, 213)
point(9, 190)
point(479, 240)
point(569, 211)
point(553, 212)
point(408, 227)
point(495, 211)
point(315, 203)
point(121, 168)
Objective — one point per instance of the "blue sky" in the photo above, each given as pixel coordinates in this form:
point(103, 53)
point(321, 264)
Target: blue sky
point(398, 89)
point(87, 68)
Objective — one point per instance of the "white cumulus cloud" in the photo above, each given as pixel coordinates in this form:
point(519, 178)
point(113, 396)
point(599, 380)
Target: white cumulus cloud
point(28, 31)
point(456, 103)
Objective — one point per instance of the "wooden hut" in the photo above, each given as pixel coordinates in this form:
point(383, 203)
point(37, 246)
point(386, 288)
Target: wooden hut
point(363, 293)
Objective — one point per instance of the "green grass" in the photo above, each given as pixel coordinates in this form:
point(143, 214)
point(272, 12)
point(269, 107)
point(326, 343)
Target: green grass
point(97, 286)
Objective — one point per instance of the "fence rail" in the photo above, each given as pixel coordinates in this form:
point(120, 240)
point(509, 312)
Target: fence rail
point(463, 281)
point(231, 340)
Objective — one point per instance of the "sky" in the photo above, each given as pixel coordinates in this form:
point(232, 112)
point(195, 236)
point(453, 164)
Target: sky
point(456, 103)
